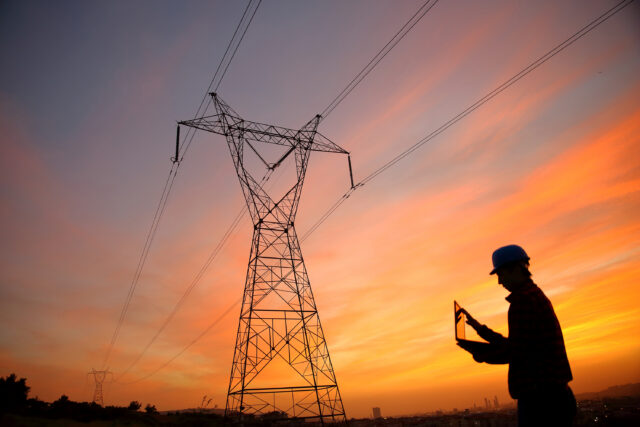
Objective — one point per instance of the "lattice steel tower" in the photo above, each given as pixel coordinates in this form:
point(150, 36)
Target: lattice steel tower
point(281, 361)
point(99, 377)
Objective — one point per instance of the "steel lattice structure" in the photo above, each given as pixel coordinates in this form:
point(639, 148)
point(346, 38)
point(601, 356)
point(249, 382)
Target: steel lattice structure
point(279, 320)
point(99, 377)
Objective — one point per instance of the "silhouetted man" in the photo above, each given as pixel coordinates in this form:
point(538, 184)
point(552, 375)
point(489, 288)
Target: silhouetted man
point(539, 370)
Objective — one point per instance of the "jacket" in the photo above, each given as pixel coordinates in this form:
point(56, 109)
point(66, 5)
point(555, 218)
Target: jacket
point(535, 348)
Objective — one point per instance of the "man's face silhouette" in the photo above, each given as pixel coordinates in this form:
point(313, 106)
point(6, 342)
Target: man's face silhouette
point(512, 276)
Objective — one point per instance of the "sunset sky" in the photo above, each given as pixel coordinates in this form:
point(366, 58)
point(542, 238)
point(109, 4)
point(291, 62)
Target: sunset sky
point(90, 93)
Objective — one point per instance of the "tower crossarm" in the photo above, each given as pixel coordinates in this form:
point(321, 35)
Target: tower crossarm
point(228, 125)
point(211, 124)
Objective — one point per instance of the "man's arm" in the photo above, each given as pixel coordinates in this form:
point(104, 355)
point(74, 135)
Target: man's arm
point(495, 354)
point(490, 335)
point(496, 351)
point(484, 331)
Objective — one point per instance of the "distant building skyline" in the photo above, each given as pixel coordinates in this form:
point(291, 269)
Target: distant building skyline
point(377, 413)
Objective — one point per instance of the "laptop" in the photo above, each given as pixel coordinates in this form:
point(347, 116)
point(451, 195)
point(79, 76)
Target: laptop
point(460, 323)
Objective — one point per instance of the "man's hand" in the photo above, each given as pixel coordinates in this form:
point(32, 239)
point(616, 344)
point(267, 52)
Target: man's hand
point(470, 320)
point(477, 357)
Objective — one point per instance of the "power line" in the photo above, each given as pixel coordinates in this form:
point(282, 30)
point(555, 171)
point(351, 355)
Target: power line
point(219, 318)
point(422, 10)
point(195, 281)
point(329, 211)
point(143, 257)
point(215, 75)
point(218, 248)
point(535, 64)
point(168, 185)
point(188, 291)
point(400, 34)
point(195, 340)
point(236, 44)
point(240, 215)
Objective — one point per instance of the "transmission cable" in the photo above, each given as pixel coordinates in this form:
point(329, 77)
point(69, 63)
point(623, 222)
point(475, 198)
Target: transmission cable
point(243, 22)
point(400, 34)
point(143, 257)
point(195, 281)
point(168, 185)
point(187, 292)
point(535, 64)
point(240, 215)
point(422, 10)
point(225, 237)
point(195, 340)
point(239, 41)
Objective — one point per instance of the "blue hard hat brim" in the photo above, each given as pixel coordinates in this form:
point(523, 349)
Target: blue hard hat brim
point(495, 270)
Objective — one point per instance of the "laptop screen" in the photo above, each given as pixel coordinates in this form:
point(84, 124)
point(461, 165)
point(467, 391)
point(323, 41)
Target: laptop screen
point(460, 321)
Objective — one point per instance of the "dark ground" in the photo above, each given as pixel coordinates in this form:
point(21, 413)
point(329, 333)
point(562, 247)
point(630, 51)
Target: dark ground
point(616, 406)
point(622, 411)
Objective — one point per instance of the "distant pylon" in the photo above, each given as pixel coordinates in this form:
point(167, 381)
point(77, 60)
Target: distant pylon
point(281, 361)
point(99, 378)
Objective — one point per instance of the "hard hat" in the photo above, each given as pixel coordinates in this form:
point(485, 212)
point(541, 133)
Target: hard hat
point(507, 254)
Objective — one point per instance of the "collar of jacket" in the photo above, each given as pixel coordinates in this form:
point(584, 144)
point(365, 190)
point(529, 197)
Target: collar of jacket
point(526, 289)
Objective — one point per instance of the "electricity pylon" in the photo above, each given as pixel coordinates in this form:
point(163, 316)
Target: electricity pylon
point(99, 378)
point(281, 361)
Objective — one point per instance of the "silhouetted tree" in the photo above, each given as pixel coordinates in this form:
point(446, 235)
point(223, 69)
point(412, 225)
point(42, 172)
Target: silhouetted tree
point(37, 406)
point(134, 405)
point(13, 393)
point(150, 409)
point(62, 407)
point(63, 401)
